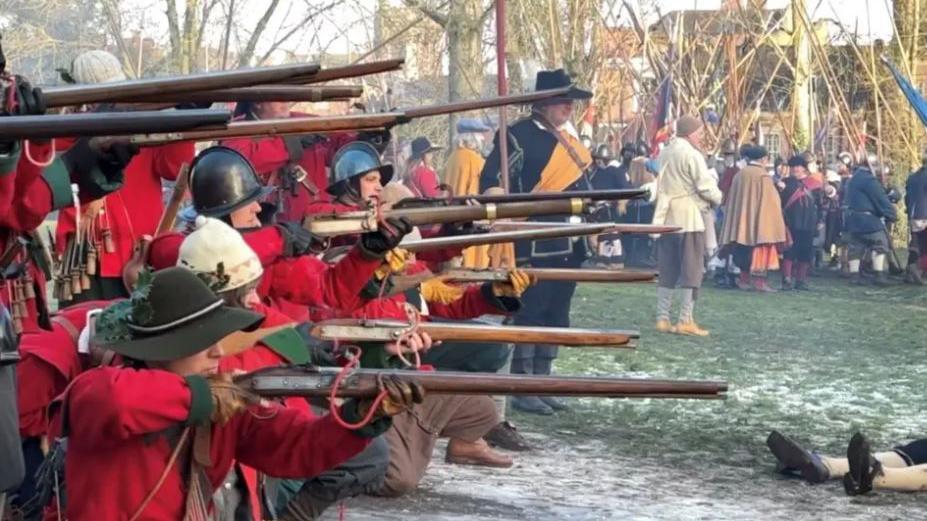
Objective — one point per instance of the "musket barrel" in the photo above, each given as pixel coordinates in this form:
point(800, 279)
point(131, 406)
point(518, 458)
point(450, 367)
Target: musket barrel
point(295, 93)
point(499, 101)
point(613, 228)
point(130, 90)
point(357, 222)
point(273, 127)
point(463, 241)
point(573, 337)
point(593, 195)
point(110, 123)
point(350, 71)
point(362, 383)
point(562, 274)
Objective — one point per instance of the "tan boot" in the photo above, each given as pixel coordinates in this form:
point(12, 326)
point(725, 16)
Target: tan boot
point(664, 326)
point(690, 329)
point(475, 453)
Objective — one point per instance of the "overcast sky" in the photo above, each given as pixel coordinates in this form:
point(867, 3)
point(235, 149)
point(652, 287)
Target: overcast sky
point(348, 27)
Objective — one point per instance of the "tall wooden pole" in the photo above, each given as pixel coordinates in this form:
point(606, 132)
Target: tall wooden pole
point(801, 93)
point(502, 87)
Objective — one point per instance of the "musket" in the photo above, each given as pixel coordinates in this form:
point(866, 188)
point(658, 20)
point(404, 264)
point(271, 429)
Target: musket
point(613, 228)
point(478, 239)
point(311, 381)
point(131, 90)
point(360, 330)
point(329, 225)
point(565, 274)
point(109, 123)
point(592, 195)
point(321, 125)
point(294, 93)
point(350, 71)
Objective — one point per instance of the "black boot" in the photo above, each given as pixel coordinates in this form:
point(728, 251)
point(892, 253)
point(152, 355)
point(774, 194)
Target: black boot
point(793, 459)
point(505, 436)
point(544, 367)
point(863, 467)
point(531, 405)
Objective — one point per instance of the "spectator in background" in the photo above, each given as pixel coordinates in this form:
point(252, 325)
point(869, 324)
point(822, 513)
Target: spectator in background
point(462, 176)
point(753, 224)
point(639, 248)
point(421, 177)
point(915, 201)
point(869, 209)
point(800, 202)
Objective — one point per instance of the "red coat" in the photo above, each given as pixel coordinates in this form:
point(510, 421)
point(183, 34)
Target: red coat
point(114, 414)
point(36, 192)
point(269, 155)
point(423, 181)
point(49, 362)
point(135, 209)
point(291, 285)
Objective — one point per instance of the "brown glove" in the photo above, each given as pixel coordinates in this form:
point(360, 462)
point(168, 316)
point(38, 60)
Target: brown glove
point(518, 282)
point(401, 395)
point(228, 399)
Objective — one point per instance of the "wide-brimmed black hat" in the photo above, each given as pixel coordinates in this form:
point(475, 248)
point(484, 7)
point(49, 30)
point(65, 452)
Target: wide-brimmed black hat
point(559, 79)
point(171, 314)
point(420, 147)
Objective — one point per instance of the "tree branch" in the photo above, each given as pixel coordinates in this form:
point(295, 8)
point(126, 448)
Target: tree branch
point(296, 28)
point(248, 53)
point(435, 16)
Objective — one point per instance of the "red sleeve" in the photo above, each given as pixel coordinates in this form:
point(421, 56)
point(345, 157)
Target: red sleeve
point(290, 443)
point(38, 382)
point(267, 155)
point(267, 243)
point(109, 404)
point(308, 281)
point(428, 182)
point(164, 250)
point(169, 158)
point(327, 208)
point(32, 197)
point(471, 305)
point(251, 359)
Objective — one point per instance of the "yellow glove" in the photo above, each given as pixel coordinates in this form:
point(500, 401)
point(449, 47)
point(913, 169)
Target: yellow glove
point(394, 262)
point(436, 290)
point(518, 282)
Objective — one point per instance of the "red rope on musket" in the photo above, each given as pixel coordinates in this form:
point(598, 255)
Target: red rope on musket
point(353, 353)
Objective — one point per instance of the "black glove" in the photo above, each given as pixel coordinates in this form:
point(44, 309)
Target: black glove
point(193, 105)
point(321, 352)
point(378, 138)
point(297, 240)
point(455, 229)
point(97, 172)
point(388, 236)
point(31, 100)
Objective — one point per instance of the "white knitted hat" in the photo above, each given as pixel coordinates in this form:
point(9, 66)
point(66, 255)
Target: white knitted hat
point(96, 67)
point(217, 249)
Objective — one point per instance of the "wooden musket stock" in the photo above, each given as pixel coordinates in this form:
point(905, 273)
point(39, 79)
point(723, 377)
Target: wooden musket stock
point(359, 222)
point(310, 381)
point(110, 123)
point(565, 274)
point(390, 330)
point(131, 90)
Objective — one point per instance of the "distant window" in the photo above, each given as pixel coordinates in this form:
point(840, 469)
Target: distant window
point(773, 142)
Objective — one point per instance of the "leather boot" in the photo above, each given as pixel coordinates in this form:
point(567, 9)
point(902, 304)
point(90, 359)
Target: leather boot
point(801, 279)
point(506, 436)
point(760, 284)
point(554, 403)
point(478, 452)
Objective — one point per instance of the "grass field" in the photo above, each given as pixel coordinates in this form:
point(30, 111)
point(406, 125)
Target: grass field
point(818, 365)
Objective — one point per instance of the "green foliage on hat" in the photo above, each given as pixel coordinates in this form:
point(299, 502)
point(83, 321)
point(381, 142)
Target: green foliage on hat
point(113, 324)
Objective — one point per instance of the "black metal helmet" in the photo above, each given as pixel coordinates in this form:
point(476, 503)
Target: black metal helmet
point(643, 149)
point(222, 181)
point(629, 150)
point(729, 147)
point(352, 160)
point(602, 151)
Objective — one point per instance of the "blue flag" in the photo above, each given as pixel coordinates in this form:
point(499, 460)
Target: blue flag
point(915, 98)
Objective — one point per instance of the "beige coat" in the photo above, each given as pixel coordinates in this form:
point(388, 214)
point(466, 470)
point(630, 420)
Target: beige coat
point(685, 189)
point(754, 210)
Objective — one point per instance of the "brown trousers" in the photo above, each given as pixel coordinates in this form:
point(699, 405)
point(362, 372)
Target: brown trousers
point(413, 435)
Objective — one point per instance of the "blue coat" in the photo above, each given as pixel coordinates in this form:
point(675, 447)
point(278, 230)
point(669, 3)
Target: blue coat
point(867, 203)
point(915, 194)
